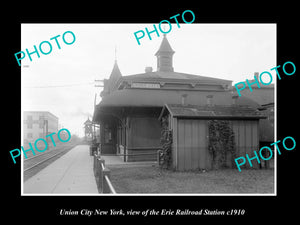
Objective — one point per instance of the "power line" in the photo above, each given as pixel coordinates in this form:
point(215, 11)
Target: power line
point(58, 86)
point(99, 85)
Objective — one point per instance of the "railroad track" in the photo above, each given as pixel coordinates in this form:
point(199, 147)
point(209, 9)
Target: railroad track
point(36, 163)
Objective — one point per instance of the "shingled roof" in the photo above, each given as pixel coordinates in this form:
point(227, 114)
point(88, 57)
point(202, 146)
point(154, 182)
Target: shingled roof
point(160, 97)
point(214, 112)
point(173, 75)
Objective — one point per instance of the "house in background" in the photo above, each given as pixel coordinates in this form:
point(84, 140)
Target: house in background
point(264, 96)
point(131, 105)
point(38, 124)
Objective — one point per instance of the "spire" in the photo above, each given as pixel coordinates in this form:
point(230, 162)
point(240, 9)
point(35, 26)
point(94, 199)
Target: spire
point(113, 78)
point(165, 46)
point(165, 56)
point(115, 53)
point(115, 73)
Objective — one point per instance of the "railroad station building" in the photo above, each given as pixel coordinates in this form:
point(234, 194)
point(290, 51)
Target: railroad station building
point(132, 106)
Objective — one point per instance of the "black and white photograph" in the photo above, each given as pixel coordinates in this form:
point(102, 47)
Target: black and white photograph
point(149, 116)
point(162, 117)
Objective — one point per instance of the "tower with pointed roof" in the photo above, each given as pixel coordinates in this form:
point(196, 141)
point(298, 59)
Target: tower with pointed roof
point(88, 130)
point(115, 73)
point(165, 56)
point(114, 76)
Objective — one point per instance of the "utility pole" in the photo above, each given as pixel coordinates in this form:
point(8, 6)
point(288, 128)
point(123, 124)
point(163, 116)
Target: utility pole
point(99, 85)
point(45, 130)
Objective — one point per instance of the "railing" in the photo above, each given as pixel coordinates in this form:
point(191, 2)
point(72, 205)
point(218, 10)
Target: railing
point(159, 156)
point(102, 175)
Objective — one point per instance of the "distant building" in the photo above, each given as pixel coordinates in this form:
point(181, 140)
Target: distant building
point(38, 124)
point(88, 130)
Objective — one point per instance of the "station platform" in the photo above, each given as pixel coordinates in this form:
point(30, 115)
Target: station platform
point(72, 173)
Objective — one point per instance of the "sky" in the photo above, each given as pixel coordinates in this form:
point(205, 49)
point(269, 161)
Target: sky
point(63, 82)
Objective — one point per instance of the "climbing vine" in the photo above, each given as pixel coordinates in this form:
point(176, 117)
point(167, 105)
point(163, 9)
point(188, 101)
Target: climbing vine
point(221, 142)
point(166, 143)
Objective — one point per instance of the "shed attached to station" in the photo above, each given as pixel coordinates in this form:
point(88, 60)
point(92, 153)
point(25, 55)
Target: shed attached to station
point(189, 125)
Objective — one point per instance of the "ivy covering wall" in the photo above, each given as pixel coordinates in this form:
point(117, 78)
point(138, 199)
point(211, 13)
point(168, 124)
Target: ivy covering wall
point(221, 143)
point(166, 143)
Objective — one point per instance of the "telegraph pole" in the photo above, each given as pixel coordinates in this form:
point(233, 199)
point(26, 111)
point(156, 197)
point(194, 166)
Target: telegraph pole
point(99, 85)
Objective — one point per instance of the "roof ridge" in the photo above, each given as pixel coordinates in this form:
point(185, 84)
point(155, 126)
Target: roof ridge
point(177, 75)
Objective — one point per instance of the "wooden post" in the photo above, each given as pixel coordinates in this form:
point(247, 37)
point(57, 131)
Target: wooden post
point(101, 164)
point(105, 187)
point(95, 165)
point(159, 153)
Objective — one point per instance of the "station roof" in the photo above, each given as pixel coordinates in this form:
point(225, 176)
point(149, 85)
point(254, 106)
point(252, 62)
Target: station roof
point(160, 97)
point(215, 111)
point(172, 76)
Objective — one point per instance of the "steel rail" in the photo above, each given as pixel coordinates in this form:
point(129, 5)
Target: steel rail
point(26, 159)
point(35, 165)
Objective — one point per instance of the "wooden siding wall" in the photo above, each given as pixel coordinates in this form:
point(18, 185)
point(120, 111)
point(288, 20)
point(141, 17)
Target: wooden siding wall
point(246, 138)
point(143, 137)
point(190, 143)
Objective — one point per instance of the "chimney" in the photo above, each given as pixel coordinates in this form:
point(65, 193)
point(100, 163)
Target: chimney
point(256, 74)
point(183, 99)
point(148, 69)
point(209, 100)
